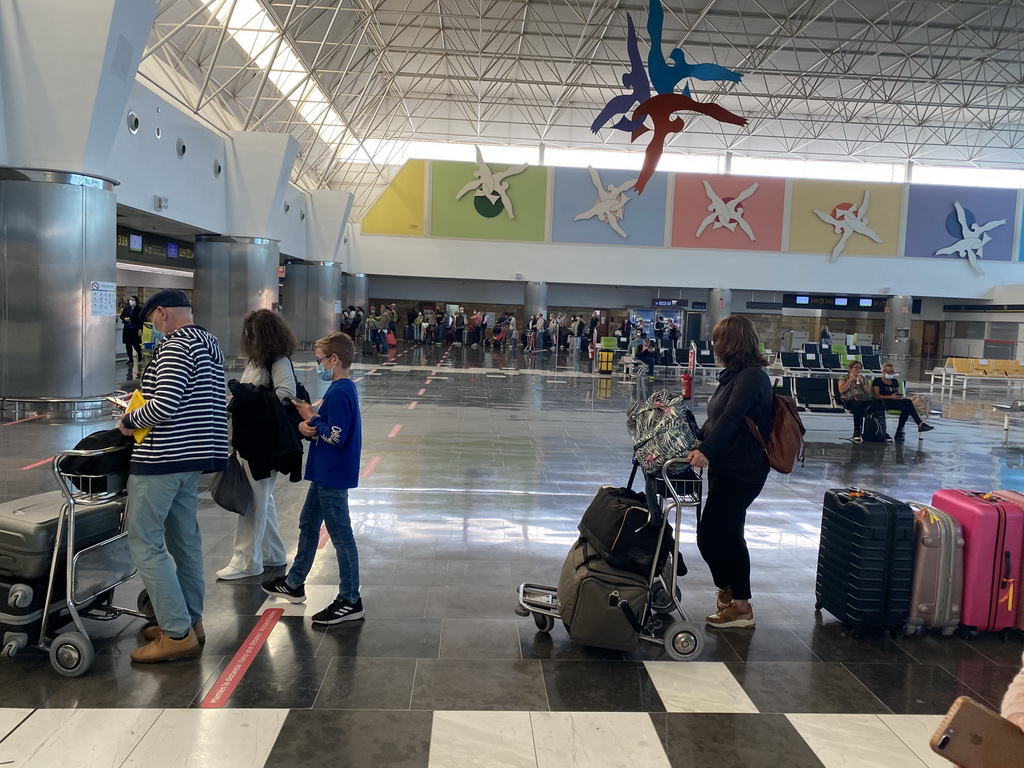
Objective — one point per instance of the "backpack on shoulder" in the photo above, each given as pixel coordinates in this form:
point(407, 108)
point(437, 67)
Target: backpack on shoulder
point(785, 444)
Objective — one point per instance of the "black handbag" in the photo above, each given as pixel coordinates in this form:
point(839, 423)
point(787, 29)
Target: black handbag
point(620, 527)
point(230, 489)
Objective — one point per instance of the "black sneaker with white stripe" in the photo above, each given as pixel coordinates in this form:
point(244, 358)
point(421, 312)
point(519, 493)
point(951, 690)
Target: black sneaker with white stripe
point(279, 588)
point(338, 611)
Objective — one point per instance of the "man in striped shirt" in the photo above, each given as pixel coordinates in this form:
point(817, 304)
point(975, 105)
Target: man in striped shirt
point(184, 391)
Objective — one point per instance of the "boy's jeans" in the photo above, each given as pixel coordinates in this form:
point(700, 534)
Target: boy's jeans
point(328, 506)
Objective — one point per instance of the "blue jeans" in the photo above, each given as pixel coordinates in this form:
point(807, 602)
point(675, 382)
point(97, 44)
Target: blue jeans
point(328, 506)
point(166, 546)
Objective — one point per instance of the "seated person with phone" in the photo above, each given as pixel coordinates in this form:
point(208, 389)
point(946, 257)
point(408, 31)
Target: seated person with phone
point(973, 736)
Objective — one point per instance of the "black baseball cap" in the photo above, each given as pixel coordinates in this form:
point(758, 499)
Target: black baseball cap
point(168, 297)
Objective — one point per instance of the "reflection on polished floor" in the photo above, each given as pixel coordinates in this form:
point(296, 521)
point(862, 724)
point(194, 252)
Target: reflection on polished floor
point(477, 468)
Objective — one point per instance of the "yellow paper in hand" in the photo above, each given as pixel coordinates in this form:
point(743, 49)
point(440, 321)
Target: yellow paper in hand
point(134, 404)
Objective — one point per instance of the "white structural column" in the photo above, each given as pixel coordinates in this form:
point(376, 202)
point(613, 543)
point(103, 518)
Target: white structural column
point(535, 300)
point(719, 308)
point(312, 288)
point(66, 71)
point(237, 273)
point(896, 338)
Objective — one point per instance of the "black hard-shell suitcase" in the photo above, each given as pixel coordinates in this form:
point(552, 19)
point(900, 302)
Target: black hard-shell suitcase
point(367, 347)
point(28, 531)
point(21, 606)
point(865, 560)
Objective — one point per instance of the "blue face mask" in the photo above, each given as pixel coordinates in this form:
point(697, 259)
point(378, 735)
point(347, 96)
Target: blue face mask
point(324, 374)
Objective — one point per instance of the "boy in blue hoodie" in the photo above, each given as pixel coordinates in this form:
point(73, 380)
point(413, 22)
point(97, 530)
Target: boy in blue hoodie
point(332, 468)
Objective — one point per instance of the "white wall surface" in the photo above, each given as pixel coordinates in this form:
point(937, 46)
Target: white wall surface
point(147, 166)
point(632, 266)
point(289, 227)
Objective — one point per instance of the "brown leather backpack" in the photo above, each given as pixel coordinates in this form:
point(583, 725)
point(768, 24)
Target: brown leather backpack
point(786, 442)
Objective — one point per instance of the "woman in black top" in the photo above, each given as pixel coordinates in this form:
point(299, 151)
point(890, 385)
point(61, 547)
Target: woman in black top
point(736, 463)
point(131, 329)
point(887, 389)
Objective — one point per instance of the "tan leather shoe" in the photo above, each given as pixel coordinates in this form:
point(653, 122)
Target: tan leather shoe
point(166, 649)
point(152, 632)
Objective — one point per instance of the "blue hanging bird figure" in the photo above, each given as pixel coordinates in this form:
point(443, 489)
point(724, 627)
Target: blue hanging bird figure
point(666, 76)
point(636, 79)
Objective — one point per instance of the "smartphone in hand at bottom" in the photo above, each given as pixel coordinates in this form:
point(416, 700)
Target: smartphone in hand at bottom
point(973, 736)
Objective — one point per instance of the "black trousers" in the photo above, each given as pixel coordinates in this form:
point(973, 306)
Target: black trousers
point(136, 345)
point(858, 408)
point(906, 409)
point(720, 531)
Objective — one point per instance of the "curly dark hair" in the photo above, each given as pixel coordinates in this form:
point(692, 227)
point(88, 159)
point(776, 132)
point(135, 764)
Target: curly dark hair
point(266, 338)
point(736, 344)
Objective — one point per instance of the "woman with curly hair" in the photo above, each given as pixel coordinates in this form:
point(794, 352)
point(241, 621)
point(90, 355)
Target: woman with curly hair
point(269, 343)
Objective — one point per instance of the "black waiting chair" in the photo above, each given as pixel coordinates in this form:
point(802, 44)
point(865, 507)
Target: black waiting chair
point(832, 362)
point(791, 361)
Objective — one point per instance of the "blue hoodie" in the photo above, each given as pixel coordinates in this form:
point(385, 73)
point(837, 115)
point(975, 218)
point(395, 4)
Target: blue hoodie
point(333, 460)
point(185, 404)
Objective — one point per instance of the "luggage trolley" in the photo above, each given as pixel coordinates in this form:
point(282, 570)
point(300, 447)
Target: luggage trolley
point(89, 575)
point(677, 487)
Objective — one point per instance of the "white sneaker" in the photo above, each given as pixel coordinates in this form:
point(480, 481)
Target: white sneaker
point(229, 572)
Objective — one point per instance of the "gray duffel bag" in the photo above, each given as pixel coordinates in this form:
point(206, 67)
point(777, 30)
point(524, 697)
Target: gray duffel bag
point(601, 606)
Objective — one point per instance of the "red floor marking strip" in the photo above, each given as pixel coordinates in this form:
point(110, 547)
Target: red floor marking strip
point(239, 665)
point(412, 404)
point(394, 432)
point(38, 463)
point(22, 421)
point(356, 381)
point(422, 392)
point(324, 536)
point(370, 467)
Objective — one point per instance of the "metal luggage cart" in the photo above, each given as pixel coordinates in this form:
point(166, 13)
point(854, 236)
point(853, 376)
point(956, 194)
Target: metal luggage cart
point(90, 575)
point(677, 487)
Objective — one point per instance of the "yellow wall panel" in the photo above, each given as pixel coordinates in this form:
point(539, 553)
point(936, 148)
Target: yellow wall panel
point(400, 210)
point(840, 226)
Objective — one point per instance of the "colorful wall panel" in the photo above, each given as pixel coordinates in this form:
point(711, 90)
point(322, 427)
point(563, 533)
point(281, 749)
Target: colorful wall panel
point(936, 228)
point(733, 212)
point(599, 207)
point(845, 218)
point(400, 210)
point(488, 201)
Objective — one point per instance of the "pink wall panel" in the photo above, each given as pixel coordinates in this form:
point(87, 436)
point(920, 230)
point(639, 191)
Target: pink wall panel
point(761, 210)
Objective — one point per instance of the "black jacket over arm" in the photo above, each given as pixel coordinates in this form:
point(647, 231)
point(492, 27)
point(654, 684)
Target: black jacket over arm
point(727, 442)
point(261, 432)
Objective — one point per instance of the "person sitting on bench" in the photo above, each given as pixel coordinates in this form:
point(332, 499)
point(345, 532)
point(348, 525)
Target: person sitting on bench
point(857, 398)
point(887, 389)
point(645, 354)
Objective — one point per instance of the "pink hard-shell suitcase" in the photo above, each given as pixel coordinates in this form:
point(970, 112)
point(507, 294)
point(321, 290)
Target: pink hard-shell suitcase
point(1018, 499)
point(993, 543)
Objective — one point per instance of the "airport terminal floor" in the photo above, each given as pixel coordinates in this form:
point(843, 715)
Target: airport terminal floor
point(476, 469)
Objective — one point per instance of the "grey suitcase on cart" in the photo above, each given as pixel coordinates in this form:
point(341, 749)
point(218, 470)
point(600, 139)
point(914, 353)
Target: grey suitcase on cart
point(937, 587)
point(28, 531)
point(596, 600)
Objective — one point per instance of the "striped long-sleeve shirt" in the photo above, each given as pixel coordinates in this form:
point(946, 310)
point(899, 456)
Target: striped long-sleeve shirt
point(184, 389)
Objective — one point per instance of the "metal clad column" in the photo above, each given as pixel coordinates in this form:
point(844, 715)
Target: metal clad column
point(535, 300)
point(357, 291)
point(719, 307)
point(310, 293)
point(233, 276)
point(895, 340)
point(59, 237)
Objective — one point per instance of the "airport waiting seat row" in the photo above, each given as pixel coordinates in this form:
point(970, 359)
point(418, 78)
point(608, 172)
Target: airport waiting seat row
point(960, 370)
point(826, 362)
